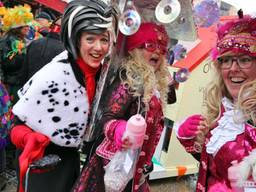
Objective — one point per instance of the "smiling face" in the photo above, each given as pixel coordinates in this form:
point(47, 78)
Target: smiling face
point(94, 47)
point(235, 77)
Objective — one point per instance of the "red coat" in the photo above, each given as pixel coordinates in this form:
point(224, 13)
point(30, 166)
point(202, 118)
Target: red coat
point(122, 105)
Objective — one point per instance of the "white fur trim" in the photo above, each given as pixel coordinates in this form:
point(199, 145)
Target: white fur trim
point(53, 103)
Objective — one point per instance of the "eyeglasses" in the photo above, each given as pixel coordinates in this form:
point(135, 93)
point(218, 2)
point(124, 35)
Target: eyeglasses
point(152, 46)
point(244, 61)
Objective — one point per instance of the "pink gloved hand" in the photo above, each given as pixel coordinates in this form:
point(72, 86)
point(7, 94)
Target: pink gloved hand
point(119, 132)
point(191, 126)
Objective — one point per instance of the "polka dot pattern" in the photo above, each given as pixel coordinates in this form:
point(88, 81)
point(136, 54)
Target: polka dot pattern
point(53, 103)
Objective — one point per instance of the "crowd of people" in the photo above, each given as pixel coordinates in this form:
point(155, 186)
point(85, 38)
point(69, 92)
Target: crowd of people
point(49, 72)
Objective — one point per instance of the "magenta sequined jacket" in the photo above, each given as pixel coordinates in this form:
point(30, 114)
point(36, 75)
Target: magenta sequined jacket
point(214, 167)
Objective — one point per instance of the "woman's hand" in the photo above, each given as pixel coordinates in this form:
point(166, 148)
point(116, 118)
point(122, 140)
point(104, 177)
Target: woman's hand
point(192, 126)
point(119, 132)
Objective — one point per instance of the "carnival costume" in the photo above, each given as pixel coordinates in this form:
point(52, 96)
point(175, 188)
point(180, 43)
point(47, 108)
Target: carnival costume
point(6, 119)
point(13, 47)
point(232, 139)
point(61, 99)
point(119, 107)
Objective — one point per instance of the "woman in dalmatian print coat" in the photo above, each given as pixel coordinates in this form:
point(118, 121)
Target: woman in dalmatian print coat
point(142, 83)
point(55, 103)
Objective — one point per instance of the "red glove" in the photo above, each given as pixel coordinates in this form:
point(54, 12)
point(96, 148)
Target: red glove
point(33, 145)
point(191, 126)
point(119, 132)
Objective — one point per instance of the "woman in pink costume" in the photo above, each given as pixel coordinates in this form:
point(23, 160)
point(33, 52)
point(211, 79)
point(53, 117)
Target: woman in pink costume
point(142, 83)
point(222, 135)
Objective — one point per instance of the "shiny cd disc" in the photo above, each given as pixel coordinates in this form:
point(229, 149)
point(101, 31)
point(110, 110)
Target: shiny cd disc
point(181, 75)
point(167, 10)
point(129, 22)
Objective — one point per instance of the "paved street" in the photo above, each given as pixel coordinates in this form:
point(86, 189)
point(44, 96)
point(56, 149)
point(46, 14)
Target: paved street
point(183, 184)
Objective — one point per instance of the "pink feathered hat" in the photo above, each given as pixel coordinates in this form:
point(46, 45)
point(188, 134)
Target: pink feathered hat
point(238, 36)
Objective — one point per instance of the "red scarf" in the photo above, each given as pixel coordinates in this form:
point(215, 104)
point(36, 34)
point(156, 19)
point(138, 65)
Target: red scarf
point(89, 74)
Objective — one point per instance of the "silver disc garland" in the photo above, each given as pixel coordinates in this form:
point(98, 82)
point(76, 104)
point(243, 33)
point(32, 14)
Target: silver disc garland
point(130, 20)
point(167, 10)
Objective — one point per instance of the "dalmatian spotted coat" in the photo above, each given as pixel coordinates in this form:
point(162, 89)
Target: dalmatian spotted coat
point(54, 103)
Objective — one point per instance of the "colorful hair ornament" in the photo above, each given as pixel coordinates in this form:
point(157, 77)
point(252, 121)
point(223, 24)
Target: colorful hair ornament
point(18, 16)
point(2, 11)
point(237, 36)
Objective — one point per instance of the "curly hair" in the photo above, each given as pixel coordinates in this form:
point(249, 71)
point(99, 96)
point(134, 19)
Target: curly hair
point(216, 90)
point(247, 101)
point(141, 79)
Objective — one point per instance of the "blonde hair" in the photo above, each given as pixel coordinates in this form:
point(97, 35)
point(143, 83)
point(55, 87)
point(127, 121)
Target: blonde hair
point(247, 101)
point(141, 79)
point(216, 90)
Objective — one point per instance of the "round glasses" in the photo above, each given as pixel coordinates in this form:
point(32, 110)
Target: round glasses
point(152, 46)
point(244, 61)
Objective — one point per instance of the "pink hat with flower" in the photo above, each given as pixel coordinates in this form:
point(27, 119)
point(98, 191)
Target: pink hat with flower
point(238, 36)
